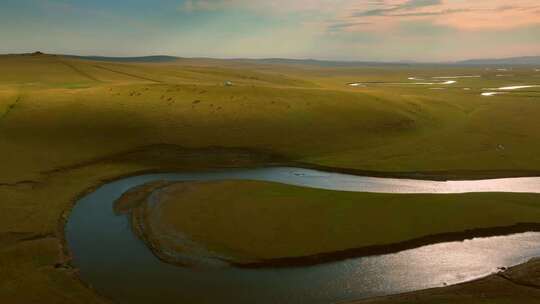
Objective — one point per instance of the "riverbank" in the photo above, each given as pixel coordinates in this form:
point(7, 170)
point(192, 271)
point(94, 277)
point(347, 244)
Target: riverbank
point(67, 186)
point(322, 225)
point(127, 255)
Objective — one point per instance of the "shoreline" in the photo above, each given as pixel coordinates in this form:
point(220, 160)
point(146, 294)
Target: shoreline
point(375, 250)
point(243, 158)
point(138, 228)
point(445, 175)
point(67, 257)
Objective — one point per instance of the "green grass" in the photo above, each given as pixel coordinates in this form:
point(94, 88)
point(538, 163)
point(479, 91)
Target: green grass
point(273, 221)
point(77, 123)
point(65, 117)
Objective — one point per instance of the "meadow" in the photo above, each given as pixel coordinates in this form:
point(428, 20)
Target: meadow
point(68, 125)
point(262, 223)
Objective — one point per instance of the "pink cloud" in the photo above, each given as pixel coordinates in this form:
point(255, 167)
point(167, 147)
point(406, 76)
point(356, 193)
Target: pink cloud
point(494, 15)
point(354, 15)
point(459, 14)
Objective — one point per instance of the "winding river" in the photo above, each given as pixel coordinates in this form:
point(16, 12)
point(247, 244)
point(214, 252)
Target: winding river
point(118, 265)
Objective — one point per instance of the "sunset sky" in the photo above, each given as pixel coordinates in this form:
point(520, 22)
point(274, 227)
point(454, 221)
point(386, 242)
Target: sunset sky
point(381, 30)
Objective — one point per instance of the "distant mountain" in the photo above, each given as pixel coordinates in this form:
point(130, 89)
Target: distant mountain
point(158, 58)
point(530, 60)
point(321, 63)
point(282, 61)
point(534, 60)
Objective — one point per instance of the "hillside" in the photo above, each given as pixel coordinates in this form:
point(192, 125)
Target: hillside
point(530, 60)
point(67, 125)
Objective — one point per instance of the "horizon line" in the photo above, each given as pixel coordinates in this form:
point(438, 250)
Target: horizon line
point(402, 61)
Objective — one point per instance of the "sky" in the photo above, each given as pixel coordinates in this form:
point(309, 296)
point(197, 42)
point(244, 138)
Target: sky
point(369, 30)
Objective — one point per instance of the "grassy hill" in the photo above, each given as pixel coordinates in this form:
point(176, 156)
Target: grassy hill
point(73, 107)
point(68, 124)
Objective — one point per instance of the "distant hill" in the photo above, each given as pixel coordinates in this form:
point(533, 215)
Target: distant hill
point(282, 61)
point(513, 60)
point(159, 58)
point(321, 63)
point(530, 60)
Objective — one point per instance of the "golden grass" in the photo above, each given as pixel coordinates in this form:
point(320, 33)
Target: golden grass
point(72, 116)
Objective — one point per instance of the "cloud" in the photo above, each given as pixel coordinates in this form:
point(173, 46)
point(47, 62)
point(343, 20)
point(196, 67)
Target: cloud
point(354, 15)
point(207, 5)
point(331, 29)
point(461, 15)
point(409, 5)
point(341, 25)
point(269, 6)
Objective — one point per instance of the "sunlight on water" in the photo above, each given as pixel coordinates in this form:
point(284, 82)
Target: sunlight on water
point(116, 263)
point(518, 87)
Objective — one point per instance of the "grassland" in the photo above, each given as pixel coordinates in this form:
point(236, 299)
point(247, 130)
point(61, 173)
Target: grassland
point(68, 125)
point(267, 223)
point(63, 117)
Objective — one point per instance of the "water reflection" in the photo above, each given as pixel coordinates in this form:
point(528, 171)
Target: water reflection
point(120, 266)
